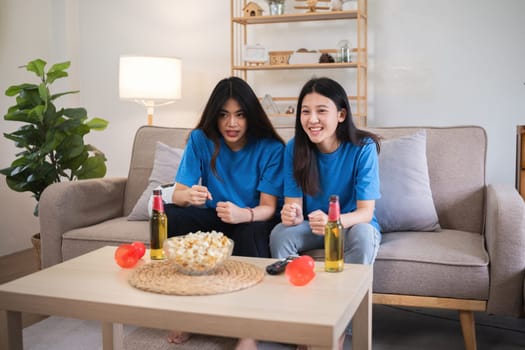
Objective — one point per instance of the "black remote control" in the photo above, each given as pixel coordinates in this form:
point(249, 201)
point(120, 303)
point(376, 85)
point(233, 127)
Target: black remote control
point(279, 266)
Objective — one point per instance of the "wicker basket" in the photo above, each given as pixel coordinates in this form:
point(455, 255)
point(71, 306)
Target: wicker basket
point(279, 57)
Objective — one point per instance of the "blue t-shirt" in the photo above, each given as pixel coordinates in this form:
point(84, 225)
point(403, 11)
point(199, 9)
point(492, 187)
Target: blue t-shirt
point(351, 172)
point(242, 175)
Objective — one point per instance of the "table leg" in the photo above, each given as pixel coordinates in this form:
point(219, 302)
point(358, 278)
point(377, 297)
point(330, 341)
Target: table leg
point(362, 324)
point(112, 336)
point(11, 330)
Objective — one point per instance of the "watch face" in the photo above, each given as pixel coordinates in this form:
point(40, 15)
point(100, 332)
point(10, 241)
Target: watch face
point(255, 53)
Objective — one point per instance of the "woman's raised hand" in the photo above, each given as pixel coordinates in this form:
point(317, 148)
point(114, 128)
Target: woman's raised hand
point(198, 195)
point(318, 220)
point(230, 213)
point(291, 214)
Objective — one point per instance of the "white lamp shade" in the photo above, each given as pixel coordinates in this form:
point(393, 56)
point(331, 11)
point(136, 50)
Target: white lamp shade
point(150, 78)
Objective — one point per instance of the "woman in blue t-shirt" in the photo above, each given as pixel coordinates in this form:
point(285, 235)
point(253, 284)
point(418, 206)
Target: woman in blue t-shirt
point(230, 177)
point(328, 155)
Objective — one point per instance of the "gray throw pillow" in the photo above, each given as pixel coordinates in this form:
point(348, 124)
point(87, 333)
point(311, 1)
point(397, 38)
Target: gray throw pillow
point(165, 166)
point(406, 202)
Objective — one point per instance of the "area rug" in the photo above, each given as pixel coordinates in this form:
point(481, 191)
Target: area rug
point(156, 339)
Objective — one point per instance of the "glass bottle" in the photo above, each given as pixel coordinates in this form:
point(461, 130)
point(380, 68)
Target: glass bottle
point(158, 224)
point(344, 51)
point(334, 237)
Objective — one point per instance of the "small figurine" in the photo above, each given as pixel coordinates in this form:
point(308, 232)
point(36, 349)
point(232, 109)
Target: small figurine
point(326, 58)
point(312, 4)
point(252, 9)
point(290, 110)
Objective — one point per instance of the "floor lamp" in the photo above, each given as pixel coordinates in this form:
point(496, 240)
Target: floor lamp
point(150, 81)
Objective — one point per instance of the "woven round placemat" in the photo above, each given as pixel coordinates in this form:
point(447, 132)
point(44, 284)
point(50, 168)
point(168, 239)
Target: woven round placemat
point(162, 277)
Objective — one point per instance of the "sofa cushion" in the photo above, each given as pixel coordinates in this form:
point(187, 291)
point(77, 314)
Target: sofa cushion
point(141, 163)
point(406, 202)
point(418, 263)
point(165, 167)
point(111, 232)
point(456, 168)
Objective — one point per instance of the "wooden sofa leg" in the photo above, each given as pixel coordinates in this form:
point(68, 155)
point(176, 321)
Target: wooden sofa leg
point(468, 327)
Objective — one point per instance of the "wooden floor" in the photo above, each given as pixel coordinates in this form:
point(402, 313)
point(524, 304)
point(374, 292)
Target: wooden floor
point(17, 265)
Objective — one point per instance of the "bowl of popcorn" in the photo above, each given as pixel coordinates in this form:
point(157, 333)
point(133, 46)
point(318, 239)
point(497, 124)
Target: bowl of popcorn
point(198, 253)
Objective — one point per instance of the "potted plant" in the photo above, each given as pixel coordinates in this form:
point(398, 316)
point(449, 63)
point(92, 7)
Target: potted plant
point(51, 139)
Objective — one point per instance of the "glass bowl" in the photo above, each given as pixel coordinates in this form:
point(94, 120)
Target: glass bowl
point(198, 253)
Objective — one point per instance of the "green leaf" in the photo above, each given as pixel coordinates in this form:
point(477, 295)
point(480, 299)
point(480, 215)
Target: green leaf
point(97, 124)
point(51, 77)
point(43, 92)
point(75, 112)
point(51, 117)
point(22, 116)
point(55, 96)
point(37, 113)
point(75, 163)
point(37, 66)
point(15, 89)
point(95, 151)
point(29, 98)
point(59, 67)
point(93, 167)
point(71, 147)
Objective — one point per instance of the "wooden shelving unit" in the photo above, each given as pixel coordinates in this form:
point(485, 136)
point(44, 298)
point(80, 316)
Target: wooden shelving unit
point(239, 38)
point(520, 160)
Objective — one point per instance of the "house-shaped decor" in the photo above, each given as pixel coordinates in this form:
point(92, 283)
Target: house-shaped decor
point(252, 9)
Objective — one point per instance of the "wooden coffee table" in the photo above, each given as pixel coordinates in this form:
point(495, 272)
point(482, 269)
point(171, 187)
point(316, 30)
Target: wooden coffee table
point(94, 287)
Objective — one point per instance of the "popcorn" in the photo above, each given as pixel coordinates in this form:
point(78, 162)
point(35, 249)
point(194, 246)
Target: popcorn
point(198, 252)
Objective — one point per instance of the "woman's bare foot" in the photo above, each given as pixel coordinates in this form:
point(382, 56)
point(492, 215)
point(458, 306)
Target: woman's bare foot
point(246, 344)
point(341, 344)
point(176, 337)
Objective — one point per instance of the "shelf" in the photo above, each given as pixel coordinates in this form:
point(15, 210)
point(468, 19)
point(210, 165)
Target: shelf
point(299, 17)
point(299, 66)
point(356, 28)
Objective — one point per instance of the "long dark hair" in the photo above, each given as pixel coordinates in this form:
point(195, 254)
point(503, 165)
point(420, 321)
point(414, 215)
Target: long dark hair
point(306, 171)
point(259, 125)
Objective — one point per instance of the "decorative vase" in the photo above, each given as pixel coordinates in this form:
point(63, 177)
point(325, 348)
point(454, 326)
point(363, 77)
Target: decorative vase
point(276, 8)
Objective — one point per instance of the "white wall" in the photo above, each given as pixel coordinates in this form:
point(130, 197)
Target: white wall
point(431, 63)
point(20, 42)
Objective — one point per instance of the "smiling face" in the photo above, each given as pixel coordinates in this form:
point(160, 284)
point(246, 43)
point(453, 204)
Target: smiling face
point(319, 119)
point(233, 125)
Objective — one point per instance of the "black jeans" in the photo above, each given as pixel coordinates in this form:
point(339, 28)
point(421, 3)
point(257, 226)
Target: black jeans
point(250, 238)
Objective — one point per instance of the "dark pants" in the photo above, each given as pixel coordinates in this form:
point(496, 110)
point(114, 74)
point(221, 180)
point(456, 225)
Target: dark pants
point(250, 238)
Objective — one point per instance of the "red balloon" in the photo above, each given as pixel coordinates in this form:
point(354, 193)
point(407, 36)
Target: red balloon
point(126, 256)
point(140, 249)
point(308, 261)
point(300, 271)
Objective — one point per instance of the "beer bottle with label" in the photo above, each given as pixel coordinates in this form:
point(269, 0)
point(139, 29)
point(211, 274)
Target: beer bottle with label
point(334, 237)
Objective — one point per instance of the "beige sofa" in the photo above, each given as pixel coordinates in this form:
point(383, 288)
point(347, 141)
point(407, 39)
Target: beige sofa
point(476, 262)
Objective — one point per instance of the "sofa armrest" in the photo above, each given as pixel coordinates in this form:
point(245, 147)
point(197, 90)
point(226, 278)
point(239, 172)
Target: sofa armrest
point(68, 205)
point(505, 241)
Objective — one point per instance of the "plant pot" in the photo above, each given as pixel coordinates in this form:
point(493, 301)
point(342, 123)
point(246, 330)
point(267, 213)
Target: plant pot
point(35, 239)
